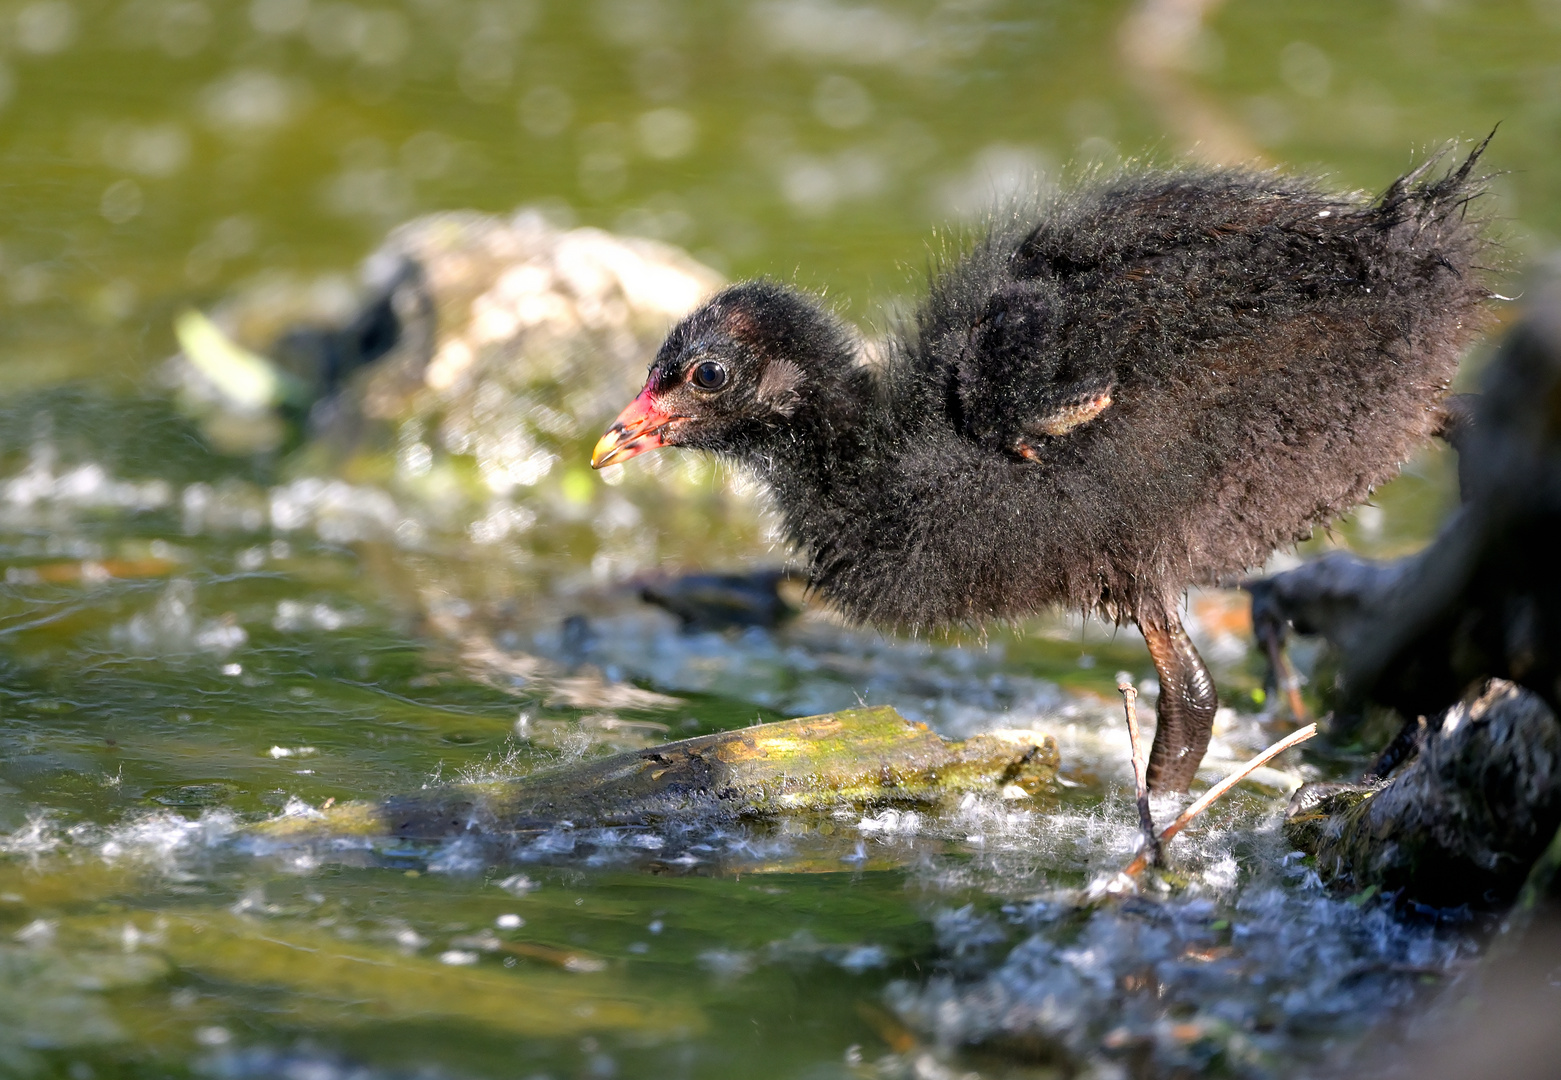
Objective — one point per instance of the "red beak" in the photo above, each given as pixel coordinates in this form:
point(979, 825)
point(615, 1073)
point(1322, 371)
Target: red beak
point(637, 429)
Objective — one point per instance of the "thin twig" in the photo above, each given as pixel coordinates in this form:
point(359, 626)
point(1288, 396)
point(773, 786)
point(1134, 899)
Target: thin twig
point(1140, 782)
point(1209, 797)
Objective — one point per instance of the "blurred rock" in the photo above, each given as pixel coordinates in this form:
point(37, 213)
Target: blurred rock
point(723, 601)
point(466, 316)
point(1480, 799)
point(463, 382)
point(1498, 1017)
point(542, 327)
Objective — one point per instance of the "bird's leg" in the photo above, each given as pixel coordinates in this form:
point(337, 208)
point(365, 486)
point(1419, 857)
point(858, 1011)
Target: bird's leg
point(1280, 671)
point(1271, 626)
point(1184, 716)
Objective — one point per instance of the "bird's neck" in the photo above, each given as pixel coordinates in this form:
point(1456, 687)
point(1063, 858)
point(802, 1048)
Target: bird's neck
point(815, 463)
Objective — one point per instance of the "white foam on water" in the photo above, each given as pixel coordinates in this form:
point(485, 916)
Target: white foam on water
point(39, 836)
point(1252, 962)
point(160, 838)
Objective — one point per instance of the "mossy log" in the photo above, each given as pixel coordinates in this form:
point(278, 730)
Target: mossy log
point(859, 757)
point(1461, 823)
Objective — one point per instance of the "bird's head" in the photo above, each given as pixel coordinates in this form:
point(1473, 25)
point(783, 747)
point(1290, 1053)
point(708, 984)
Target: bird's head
point(731, 374)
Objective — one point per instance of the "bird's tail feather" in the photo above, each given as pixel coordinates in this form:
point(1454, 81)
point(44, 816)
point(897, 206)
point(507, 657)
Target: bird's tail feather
point(1416, 198)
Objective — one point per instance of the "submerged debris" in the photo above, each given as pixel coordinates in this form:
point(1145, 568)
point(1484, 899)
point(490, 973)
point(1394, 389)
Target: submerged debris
point(720, 601)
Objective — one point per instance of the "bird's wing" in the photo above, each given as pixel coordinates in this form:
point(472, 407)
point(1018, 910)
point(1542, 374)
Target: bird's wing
point(1015, 384)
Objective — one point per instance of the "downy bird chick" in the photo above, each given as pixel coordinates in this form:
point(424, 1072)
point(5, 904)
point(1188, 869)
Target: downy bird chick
point(1151, 384)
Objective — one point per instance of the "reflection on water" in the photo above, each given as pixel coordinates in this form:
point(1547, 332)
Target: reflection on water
point(204, 623)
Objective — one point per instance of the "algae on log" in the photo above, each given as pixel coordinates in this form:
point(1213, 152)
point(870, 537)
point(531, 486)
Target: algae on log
point(857, 757)
point(1460, 823)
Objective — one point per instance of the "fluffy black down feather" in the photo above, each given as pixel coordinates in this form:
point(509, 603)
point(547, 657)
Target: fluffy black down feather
point(1267, 352)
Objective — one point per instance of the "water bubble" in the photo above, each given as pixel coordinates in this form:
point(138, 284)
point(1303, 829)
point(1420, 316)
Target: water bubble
point(377, 193)
point(487, 64)
point(122, 201)
point(859, 958)
point(769, 137)
point(633, 22)
point(115, 301)
point(46, 27)
point(663, 217)
point(820, 29)
point(1270, 121)
point(666, 134)
point(427, 155)
point(184, 28)
point(517, 885)
point(250, 100)
point(545, 111)
point(603, 174)
point(841, 102)
point(37, 932)
point(998, 173)
point(727, 965)
point(333, 28)
point(1087, 116)
point(661, 74)
point(278, 17)
point(1370, 520)
point(382, 38)
point(1305, 69)
point(155, 150)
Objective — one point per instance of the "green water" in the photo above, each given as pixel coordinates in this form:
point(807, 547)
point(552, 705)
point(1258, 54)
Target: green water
point(166, 677)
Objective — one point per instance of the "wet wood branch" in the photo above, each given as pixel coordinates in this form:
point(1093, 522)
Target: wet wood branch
point(1140, 782)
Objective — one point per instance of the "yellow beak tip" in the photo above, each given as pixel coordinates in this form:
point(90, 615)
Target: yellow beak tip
point(602, 455)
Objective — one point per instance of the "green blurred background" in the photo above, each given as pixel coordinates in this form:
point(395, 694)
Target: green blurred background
point(157, 152)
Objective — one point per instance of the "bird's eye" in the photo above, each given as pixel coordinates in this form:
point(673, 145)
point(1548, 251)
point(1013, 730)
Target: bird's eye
point(709, 375)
